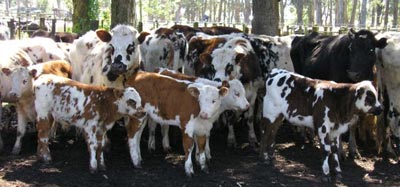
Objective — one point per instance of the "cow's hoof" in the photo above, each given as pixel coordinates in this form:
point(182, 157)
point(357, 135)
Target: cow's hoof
point(326, 178)
point(189, 174)
point(16, 151)
point(138, 166)
point(354, 155)
point(167, 149)
point(92, 171)
point(339, 177)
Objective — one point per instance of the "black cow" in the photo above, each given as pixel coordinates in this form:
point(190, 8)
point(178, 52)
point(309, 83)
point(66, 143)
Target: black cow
point(344, 58)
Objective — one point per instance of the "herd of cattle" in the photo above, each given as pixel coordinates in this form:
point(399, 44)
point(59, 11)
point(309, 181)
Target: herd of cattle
point(190, 77)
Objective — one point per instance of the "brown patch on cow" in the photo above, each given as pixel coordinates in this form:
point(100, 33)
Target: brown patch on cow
point(59, 67)
point(219, 30)
point(161, 92)
point(177, 75)
point(103, 35)
point(142, 37)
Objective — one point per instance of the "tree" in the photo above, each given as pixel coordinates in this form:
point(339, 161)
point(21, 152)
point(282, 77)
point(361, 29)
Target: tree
point(395, 13)
point(266, 17)
point(385, 20)
point(363, 16)
point(318, 11)
point(310, 12)
point(80, 17)
point(299, 10)
point(353, 13)
point(339, 21)
point(123, 12)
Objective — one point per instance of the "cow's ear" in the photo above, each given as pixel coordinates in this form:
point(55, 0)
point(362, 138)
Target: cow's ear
point(194, 91)
point(118, 93)
point(223, 91)
point(352, 33)
point(239, 57)
point(382, 43)
point(6, 71)
point(104, 35)
point(142, 37)
point(33, 73)
point(205, 58)
point(225, 83)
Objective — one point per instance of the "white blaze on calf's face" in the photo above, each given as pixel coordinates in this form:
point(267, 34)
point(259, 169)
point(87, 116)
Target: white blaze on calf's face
point(236, 98)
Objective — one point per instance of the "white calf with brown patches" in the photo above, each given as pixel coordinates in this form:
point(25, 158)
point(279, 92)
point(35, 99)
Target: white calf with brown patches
point(234, 100)
point(327, 107)
point(173, 102)
point(95, 109)
point(105, 58)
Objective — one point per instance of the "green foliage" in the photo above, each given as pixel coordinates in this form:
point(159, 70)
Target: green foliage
point(105, 18)
point(157, 10)
point(94, 10)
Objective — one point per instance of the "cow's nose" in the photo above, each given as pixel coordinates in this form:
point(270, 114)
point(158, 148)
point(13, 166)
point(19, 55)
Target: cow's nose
point(355, 76)
point(203, 115)
point(247, 107)
point(13, 95)
point(377, 110)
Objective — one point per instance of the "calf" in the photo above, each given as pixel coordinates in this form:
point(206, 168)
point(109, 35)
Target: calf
point(190, 106)
point(95, 109)
point(234, 100)
point(327, 107)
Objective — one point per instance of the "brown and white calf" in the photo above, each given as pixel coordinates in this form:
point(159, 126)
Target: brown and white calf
point(95, 109)
point(327, 107)
point(190, 106)
point(234, 100)
point(22, 92)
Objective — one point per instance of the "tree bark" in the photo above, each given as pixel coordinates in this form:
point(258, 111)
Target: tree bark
point(339, 21)
point(80, 17)
point(395, 13)
point(318, 12)
point(266, 17)
point(299, 10)
point(373, 19)
point(385, 20)
point(123, 12)
point(363, 15)
point(310, 12)
point(353, 13)
point(379, 9)
point(247, 12)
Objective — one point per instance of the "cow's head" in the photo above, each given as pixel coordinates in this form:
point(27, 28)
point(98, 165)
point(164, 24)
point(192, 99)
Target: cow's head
point(362, 54)
point(367, 98)
point(235, 60)
point(20, 80)
point(236, 97)
point(121, 53)
point(129, 102)
point(209, 98)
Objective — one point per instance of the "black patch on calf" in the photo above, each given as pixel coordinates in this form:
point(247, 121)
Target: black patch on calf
point(323, 129)
point(105, 68)
point(148, 41)
point(281, 81)
point(284, 92)
point(301, 118)
point(270, 82)
point(228, 69)
point(128, 57)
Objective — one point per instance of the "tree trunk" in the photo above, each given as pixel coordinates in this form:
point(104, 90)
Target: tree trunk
point(379, 9)
point(123, 12)
point(363, 15)
point(238, 7)
point(395, 13)
point(220, 9)
point(299, 11)
point(80, 17)
point(330, 12)
point(373, 15)
point(7, 4)
point(318, 12)
point(310, 12)
point(385, 20)
point(339, 21)
point(266, 17)
point(247, 11)
point(353, 13)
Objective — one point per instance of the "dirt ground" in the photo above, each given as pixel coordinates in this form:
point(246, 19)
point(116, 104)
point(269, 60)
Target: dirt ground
point(295, 165)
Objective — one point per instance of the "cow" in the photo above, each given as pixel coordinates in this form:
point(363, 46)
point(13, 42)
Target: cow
point(193, 112)
point(214, 30)
point(388, 66)
point(66, 101)
point(327, 107)
point(163, 48)
point(105, 58)
point(65, 37)
point(346, 58)
point(234, 100)
point(21, 92)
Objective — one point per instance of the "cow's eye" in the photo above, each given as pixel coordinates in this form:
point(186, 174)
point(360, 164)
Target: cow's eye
point(237, 94)
point(213, 101)
point(130, 49)
point(24, 81)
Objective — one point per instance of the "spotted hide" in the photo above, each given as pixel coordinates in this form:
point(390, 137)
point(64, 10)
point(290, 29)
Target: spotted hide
point(69, 102)
point(327, 107)
point(104, 58)
point(193, 112)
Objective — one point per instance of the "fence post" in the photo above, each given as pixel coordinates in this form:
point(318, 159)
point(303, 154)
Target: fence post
point(196, 25)
point(53, 27)
point(42, 23)
point(315, 28)
point(65, 24)
point(19, 28)
point(140, 26)
point(11, 25)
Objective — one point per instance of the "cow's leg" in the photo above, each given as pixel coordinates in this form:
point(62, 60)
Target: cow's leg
point(21, 129)
point(152, 132)
point(188, 145)
point(334, 150)
point(207, 148)
point(101, 142)
point(231, 136)
point(43, 127)
point(250, 123)
point(134, 131)
point(323, 135)
point(353, 151)
point(1, 115)
point(91, 140)
point(165, 138)
point(268, 138)
point(201, 144)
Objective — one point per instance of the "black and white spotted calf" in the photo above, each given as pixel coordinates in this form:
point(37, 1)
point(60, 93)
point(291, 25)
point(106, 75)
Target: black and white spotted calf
point(325, 106)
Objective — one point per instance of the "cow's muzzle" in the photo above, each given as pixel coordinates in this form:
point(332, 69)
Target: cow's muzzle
point(118, 68)
point(377, 110)
point(354, 76)
point(140, 113)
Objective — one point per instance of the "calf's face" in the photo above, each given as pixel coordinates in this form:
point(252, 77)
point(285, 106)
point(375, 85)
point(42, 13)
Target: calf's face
point(21, 81)
point(236, 97)
point(129, 102)
point(209, 98)
point(367, 98)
